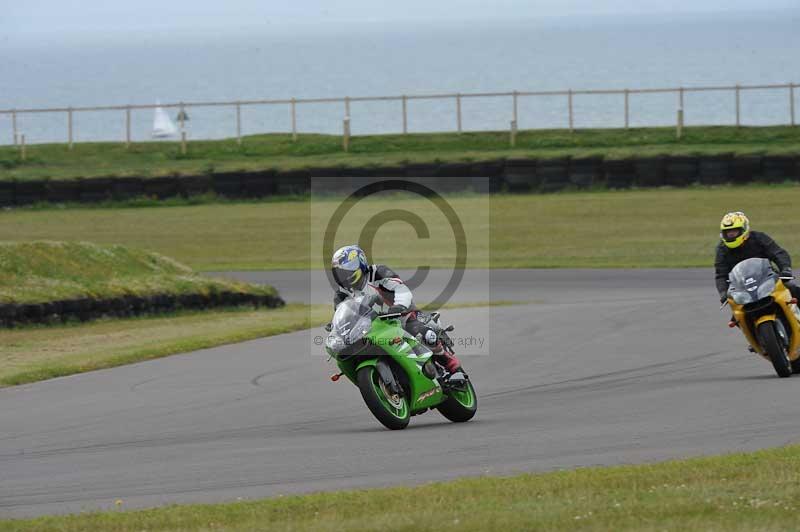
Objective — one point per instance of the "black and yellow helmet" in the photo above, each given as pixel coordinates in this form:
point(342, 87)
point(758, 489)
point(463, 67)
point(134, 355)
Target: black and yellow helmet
point(734, 229)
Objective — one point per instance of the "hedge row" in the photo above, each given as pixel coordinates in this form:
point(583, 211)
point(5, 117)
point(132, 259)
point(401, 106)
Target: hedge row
point(86, 309)
point(513, 175)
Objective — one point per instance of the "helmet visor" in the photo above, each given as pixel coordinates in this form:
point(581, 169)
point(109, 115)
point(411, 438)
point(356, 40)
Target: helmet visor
point(730, 235)
point(347, 278)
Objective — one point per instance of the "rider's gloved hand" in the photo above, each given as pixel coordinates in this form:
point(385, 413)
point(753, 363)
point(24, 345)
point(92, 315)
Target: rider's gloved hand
point(723, 298)
point(787, 272)
point(396, 309)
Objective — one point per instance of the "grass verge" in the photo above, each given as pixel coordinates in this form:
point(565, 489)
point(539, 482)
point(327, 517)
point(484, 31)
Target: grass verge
point(635, 228)
point(32, 354)
point(56, 161)
point(41, 271)
point(36, 353)
point(747, 491)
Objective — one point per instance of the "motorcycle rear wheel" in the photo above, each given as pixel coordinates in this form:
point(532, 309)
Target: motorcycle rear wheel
point(393, 412)
point(776, 351)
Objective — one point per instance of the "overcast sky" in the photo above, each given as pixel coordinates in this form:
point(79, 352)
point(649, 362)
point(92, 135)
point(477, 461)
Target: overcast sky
point(21, 18)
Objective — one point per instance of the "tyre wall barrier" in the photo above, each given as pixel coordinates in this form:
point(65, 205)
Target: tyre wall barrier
point(509, 175)
point(714, 170)
point(650, 171)
point(86, 309)
point(619, 174)
point(586, 172)
point(520, 175)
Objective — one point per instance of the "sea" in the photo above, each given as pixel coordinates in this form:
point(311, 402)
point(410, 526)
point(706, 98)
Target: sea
point(578, 53)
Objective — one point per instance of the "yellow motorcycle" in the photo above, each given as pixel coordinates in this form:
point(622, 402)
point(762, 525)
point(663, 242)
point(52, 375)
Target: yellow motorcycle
point(767, 314)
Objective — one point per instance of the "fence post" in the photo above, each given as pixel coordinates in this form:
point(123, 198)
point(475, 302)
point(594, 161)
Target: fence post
point(69, 127)
point(513, 138)
point(183, 142)
point(514, 98)
point(738, 109)
point(627, 109)
point(458, 111)
point(571, 116)
point(238, 123)
point(791, 104)
point(182, 116)
point(347, 106)
point(680, 98)
point(679, 127)
point(405, 115)
point(14, 127)
point(22, 153)
point(128, 127)
point(346, 134)
point(294, 119)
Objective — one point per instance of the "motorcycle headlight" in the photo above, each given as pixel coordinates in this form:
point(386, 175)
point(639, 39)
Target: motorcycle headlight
point(741, 298)
point(334, 342)
point(765, 289)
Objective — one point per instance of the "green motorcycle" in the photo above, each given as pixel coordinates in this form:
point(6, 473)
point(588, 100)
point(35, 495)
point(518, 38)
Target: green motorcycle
point(395, 372)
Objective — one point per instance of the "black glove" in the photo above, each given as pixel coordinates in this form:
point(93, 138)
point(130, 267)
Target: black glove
point(396, 309)
point(723, 298)
point(787, 272)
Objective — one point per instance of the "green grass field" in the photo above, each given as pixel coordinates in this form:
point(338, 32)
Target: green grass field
point(55, 161)
point(638, 228)
point(754, 491)
point(40, 271)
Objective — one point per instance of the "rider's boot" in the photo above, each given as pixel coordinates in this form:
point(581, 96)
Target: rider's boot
point(446, 358)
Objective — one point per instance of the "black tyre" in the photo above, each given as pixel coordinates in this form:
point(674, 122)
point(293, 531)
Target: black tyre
point(775, 349)
point(460, 406)
point(392, 411)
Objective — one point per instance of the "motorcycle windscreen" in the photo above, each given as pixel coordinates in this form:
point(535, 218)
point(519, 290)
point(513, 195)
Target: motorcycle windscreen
point(751, 280)
point(353, 319)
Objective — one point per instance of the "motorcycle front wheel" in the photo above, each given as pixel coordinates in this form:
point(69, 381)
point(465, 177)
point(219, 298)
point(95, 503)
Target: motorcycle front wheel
point(461, 405)
point(391, 410)
point(775, 350)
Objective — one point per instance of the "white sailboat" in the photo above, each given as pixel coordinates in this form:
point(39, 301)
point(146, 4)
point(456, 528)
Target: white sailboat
point(163, 126)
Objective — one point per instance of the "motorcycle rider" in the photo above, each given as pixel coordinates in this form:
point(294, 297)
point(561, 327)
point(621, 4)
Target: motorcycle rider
point(738, 242)
point(354, 276)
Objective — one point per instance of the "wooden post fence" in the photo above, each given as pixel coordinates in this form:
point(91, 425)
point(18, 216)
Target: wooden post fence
point(14, 127)
point(627, 109)
point(405, 115)
point(513, 137)
point(738, 107)
point(458, 112)
point(294, 119)
point(128, 127)
point(69, 128)
point(238, 123)
point(571, 116)
point(460, 127)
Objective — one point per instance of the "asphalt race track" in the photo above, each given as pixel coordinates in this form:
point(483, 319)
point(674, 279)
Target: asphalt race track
point(600, 367)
